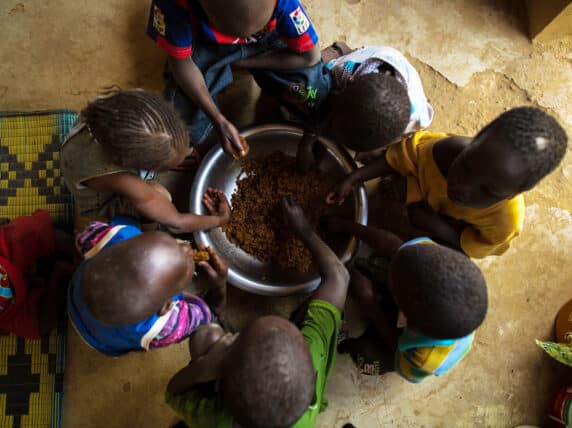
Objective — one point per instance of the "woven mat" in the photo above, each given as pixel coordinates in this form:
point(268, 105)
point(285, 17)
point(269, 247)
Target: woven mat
point(29, 164)
point(31, 371)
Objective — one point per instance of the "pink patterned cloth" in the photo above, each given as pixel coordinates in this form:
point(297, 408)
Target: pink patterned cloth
point(187, 315)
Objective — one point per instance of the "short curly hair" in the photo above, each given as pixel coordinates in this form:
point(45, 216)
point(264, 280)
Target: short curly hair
point(269, 380)
point(441, 292)
point(137, 129)
point(371, 112)
point(536, 136)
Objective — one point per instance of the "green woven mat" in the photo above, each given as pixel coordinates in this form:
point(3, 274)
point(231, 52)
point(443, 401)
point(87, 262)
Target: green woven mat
point(31, 371)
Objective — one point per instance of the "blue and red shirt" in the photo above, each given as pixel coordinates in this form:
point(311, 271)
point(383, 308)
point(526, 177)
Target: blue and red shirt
point(175, 24)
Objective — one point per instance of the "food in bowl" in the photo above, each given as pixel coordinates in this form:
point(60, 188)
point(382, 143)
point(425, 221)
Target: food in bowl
point(256, 223)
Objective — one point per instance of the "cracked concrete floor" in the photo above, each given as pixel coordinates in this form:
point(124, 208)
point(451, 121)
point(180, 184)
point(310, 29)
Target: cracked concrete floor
point(475, 61)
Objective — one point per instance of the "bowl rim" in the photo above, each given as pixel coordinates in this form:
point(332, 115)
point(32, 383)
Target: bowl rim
point(244, 282)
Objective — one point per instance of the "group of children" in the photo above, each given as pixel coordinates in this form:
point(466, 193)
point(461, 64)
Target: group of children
point(423, 297)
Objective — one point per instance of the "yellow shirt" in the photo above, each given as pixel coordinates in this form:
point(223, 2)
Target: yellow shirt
point(491, 229)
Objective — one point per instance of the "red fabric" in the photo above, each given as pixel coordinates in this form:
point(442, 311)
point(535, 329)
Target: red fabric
point(174, 51)
point(21, 316)
point(22, 242)
point(300, 44)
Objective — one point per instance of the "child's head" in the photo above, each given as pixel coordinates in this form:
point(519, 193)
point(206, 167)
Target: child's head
point(136, 278)
point(138, 129)
point(509, 156)
point(371, 112)
point(441, 292)
point(240, 18)
point(268, 378)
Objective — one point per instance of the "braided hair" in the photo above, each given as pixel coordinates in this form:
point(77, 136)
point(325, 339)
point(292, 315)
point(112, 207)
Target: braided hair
point(137, 129)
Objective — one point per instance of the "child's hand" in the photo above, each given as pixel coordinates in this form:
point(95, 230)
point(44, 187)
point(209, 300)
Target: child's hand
point(294, 217)
point(217, 204)
point(339, 193)
point(230, 139)
point(216, 268)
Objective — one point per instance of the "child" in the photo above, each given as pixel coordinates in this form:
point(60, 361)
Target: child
point(274, 39)
point(110, 158)
point(440, 292)
point(271, 374)
point(27, 310)
point(128, 295)
point(466, 192)
point(376, 97)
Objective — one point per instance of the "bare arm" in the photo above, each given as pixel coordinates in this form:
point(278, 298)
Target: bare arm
point(335, 276)
point(383, 242)
point(377, 168)
point(203, 368)
point(305, 152)
point(192, 82)
point(154, 205)
point(437, 226)
point(283, 59)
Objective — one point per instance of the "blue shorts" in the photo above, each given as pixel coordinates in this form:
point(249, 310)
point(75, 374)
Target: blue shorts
point(302, 91)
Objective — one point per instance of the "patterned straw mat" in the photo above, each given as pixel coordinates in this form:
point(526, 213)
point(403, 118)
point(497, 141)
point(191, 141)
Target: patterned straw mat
point(31, 371)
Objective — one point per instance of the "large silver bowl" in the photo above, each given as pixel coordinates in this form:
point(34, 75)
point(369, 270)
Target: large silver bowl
point(221, 171)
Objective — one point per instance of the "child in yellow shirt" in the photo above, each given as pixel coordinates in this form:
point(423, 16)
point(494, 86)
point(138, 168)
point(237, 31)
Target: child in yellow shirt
point(467, 192)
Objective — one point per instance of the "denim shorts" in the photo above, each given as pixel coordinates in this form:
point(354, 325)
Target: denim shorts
point(301, 91)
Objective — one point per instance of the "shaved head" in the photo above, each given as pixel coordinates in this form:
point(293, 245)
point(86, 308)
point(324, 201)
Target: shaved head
point(268, 378)
point(240, 18)
point(133, 279)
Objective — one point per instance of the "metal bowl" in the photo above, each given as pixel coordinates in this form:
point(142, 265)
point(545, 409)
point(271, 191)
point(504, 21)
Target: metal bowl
point(221, 171)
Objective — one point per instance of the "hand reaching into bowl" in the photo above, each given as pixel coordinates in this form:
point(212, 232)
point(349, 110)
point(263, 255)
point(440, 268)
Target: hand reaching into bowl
point(295, 218)
point(339, 192)
point(217, 204)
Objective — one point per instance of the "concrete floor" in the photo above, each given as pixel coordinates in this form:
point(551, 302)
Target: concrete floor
point(475, 61)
